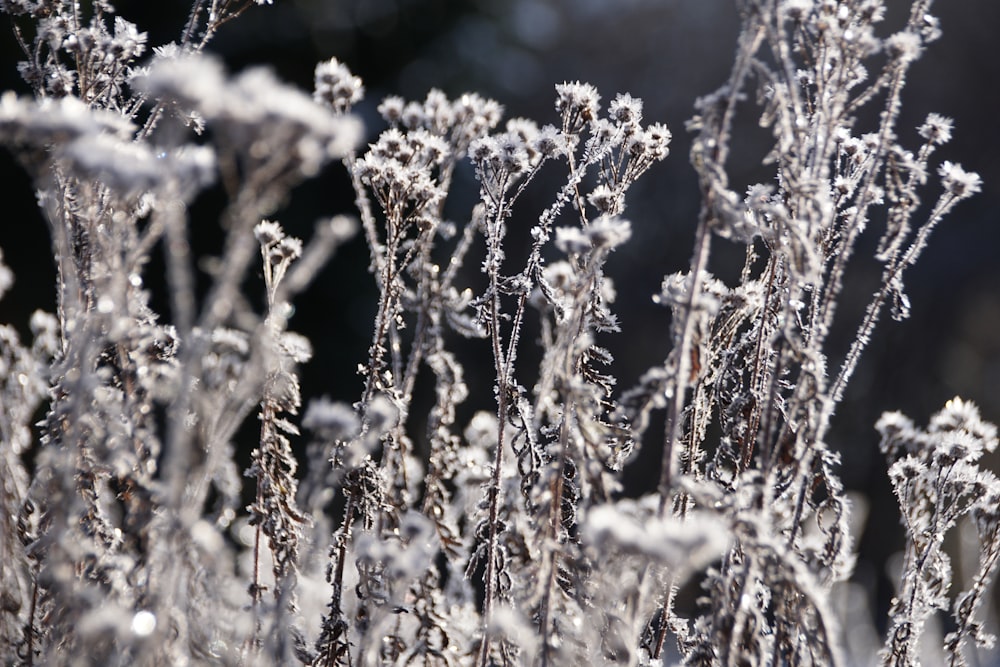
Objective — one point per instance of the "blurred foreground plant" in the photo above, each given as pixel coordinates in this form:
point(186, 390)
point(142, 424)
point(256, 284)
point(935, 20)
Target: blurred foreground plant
point(505, 540)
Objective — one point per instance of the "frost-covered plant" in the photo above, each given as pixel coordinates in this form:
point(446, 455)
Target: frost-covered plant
point(506, 539)
point(937, 481)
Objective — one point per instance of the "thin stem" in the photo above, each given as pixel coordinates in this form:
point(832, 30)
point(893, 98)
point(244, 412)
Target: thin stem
point(890, 279)
point(503, 388)
point(679, 386)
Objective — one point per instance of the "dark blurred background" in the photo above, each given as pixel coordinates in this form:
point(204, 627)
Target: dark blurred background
point(668, 52)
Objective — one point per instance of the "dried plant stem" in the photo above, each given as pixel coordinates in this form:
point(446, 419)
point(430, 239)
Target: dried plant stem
point(678, 389)
point(502, 390)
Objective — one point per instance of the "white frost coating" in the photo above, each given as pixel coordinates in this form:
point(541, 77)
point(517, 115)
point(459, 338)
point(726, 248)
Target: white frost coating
point(188, 79)
point(135, 167)
point(687, 544)
point(252, 105)
point(49, 121)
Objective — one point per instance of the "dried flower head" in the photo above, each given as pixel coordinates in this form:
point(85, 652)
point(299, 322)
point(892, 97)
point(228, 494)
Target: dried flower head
point(936, 129)
point(957, 181)
point(336, 87)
